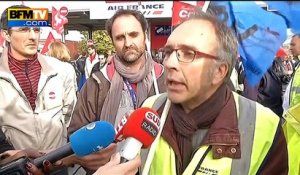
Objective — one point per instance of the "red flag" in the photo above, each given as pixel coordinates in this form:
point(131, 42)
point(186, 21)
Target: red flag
point(59, 19)
point(181, 11)
point(48, 41)
point(200, 3)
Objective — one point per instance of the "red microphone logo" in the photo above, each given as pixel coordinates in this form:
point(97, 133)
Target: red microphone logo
point(153, 118)
point(151, 123)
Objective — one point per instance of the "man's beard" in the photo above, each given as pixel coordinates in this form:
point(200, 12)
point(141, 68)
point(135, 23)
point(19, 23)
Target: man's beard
point(132, 55)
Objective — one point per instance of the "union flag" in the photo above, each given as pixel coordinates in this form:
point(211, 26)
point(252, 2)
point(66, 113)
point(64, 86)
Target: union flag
point(181, 10)
point(48, 41)
point(58, 21)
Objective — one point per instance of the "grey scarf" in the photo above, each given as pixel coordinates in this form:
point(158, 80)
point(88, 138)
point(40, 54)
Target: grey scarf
point(143, 79)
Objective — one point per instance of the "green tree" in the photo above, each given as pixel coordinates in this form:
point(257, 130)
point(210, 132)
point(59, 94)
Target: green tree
point(101, 40)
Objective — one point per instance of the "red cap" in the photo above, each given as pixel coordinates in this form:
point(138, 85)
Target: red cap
point(143, 125)
point(281, 53)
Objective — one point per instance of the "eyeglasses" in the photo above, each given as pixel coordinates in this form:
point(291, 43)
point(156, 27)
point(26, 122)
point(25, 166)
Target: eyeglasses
point(26, 29)
point(183, 55)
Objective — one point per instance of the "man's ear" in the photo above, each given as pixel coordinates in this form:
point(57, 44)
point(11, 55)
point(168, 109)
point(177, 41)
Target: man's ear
point(220, 73)
point(5, 35)
point(146, 35)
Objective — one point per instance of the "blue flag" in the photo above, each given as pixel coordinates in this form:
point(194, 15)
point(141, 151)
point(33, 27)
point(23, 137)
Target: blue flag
point(222, 10)
point(260, 34)
point(289, 10)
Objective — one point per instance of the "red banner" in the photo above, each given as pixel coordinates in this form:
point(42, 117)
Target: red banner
point(182, 10)
point(48, 41)
point(59, 19)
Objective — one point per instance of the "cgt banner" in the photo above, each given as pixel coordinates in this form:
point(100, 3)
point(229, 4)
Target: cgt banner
point(181, 10)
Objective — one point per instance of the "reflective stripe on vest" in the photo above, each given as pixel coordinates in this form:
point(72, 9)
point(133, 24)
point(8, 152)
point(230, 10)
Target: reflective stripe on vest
point(295, 88)
point(291, 128)
point(266, 122)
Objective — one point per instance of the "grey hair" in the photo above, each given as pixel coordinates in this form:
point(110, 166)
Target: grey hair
point(227, 43)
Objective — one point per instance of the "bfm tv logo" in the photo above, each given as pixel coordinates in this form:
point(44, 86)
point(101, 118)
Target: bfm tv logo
point(35, 17)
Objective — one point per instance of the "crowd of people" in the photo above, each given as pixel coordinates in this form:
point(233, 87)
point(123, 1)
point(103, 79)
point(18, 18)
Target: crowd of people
point(215, 123)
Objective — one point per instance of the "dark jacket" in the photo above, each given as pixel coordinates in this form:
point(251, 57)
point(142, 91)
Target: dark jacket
point(270, 89)
point(4, 144)
point(97, 67)
point(91, 98)
point(79, 66)
point(270, 92)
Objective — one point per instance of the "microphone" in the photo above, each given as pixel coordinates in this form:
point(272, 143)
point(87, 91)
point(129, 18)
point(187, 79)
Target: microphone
point(86, 140)
point(140, 131)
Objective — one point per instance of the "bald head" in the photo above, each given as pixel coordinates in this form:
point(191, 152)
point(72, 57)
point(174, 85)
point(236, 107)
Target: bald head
point(295, 45)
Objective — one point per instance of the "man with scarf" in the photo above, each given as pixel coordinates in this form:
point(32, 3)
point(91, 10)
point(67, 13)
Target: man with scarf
point(209, 129)
point(123, 85)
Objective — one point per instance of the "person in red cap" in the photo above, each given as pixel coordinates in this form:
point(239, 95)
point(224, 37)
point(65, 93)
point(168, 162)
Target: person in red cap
point(286, 65)
point(281, 53)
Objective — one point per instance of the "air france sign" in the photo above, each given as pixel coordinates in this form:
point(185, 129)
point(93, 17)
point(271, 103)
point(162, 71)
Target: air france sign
point(150, 9)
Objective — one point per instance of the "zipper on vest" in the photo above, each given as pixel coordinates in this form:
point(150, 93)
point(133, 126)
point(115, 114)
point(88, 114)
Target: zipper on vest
point(27, 76)
point(202, 159)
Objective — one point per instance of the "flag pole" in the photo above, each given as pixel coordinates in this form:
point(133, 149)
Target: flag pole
point(63, 37)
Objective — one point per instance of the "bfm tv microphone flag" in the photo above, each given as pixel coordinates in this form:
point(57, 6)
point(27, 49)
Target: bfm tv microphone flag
point(48, 41)
point(181, 10)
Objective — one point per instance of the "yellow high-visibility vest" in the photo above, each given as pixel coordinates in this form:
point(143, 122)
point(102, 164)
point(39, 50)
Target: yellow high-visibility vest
point(257, 126)
point(291, 129)
point(295, 88)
